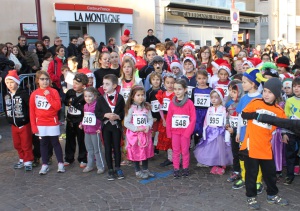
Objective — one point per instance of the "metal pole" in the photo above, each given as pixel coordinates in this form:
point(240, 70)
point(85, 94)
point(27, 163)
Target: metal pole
point(38, 18)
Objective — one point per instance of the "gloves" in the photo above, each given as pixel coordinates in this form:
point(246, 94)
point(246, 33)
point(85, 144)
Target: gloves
point(251, 115)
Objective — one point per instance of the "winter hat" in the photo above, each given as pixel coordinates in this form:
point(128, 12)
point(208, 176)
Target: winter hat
point(131, 54)
point(220, 92)
point(176, 63)
point(189, 46)
point(86, 71)
point(225, 66)
point(283, 62)
point(157, 59)
point(218, 62)
point(271, 72)
point(269, 68)
point(288, 82)
point(274, 85)
point(12, 74)
point(254, 75)
point(126, 32)
point(190, 58)
point(252, 62)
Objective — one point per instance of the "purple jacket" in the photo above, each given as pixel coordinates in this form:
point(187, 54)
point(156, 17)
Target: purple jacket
point(91, 129)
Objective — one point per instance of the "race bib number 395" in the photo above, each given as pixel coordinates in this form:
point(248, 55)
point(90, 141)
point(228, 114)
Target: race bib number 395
point(215, 119)
point(180, 121)
point(41, 102)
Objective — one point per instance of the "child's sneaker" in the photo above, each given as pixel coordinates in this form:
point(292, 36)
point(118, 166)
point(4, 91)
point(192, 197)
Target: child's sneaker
point(176, 174)
point(36, 162)
point(87, 169)
point(277, 200)
point(288, 181)
point(238, 185)
point(220, 171)
point(259, 188)
point(111, 175)
point(234, 176)
point(66, 163)
point(28, 167)
point(141, 175)
point(44, 169)
point(61, 168)
point(100, 171)
point(167, 162)
point(252, 203)
point(185, 172)
point(19, 165)
point(214, 170)
point(120, 174)
point(82, 165)
point(296, 170)
point(149, 173)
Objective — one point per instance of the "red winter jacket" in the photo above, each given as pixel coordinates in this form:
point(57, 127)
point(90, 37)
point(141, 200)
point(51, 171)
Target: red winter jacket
point(55, 73)
point(46, 116)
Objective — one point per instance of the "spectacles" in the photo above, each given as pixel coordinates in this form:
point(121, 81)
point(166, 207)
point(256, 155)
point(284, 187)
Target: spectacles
point(44, 79)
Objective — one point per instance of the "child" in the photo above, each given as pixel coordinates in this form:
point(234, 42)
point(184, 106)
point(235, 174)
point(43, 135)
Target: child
point(257, 145)
point(170, 55)
point(110, 111)
point(283, 64)
point(287, 88)
point(114, 61)
point(17, 114)
point(92, 130)
point(138, 121)
point(47, 59)
point(189, 67)
point(69, 76)
point(215, 69)
point(90, 75)
point(148, 68)
point(235, 92)
point(156, 81)
point(164, 98)
point(292, 141)
point(128, 78)
point(188, 50)
point(180, 123)
point(251, 81)
point(224, 71)
point(214, 150)
point(44, 106)
point(176, 69)
point(238, 65)
point(75, 100)
point(201, 99)
point(157, 64)
point(64, 70)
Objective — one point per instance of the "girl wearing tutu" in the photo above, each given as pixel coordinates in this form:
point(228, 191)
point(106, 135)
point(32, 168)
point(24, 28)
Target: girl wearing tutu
point(164, 98)
point(138, 121)
point(214, 149)
point(181, 121)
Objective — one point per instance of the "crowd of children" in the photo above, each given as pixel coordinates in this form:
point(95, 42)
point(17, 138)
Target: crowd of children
point(169, 105)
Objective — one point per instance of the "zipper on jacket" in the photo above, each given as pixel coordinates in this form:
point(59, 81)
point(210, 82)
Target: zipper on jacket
point(12, 109)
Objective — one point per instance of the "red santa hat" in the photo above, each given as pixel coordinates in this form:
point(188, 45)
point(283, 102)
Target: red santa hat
point(89, 74)
point(252, 62)
point(190, 58)
point(131, 54)
point(225, 66)
point(189, 46)
point(220, 92)
point(218, 62)
point(126, 32)
point(176, 63)
point(12, 74)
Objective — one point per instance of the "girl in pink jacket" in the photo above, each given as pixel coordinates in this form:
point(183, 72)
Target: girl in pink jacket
point(180, 126)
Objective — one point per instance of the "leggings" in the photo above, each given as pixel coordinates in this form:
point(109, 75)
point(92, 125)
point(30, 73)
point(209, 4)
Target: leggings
point(44, 143)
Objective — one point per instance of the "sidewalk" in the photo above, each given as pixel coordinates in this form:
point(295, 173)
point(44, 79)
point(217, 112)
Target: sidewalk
point(75, 190)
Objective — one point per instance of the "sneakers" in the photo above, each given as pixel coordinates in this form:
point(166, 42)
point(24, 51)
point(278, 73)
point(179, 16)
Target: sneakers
point(125, 163)
point(66, 163)
point(36, 162)
point(296, 170)
point(214, 170)
point(111, 175)
point(100, 171)
point(120, 174)
point(61, 168)
point(141, 175)
point(44, 169)
point(166, 163)
point(19, 165)
point(288, 181)
point(82, 165)
point(149, 173)
point(259, 188)
point(234, 176)
point(277, 200)
point(252, 203)
point(87, 169)
point(185, 172)
point(28, 167)
point(238, 185)
point(176, 174)
point(220, 171)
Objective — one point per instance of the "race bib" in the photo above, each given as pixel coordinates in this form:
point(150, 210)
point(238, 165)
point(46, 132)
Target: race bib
point(189, 91)
point(215, 119)
point(140, 119)
point(202, 100)
point(233, 121)
point(41, 102)
point(244, 122)
point(165, 105)
point(180, 121)
point(224, 87)
point(125, 92)
point(155, 106)
point(260, 124)
point(74, 111)
point(89, 118)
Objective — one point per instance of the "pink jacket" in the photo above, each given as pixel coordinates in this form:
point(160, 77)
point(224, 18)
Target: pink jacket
point(91, 129)
point(187, 109)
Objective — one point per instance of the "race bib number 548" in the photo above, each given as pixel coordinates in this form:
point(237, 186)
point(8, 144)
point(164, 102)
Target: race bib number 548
point(180, 121)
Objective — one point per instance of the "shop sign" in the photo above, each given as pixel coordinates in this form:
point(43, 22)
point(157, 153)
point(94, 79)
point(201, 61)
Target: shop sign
point(29, 30)
point(96, 17)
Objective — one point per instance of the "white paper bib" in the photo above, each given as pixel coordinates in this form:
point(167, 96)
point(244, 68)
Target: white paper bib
point(74, 111)
point(201, 100)
point(215, 119)
point(180, 121)
point(41, 102)
point(155, 106)
point(260, 124)
point(140, 119)
point(233, 121)
point(125, 92)
point(89, 118)
point(166, 103)
point(190, 90)
point(224, 87)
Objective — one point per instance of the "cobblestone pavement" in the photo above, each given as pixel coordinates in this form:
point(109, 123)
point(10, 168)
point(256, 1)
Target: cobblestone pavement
point(75, 190)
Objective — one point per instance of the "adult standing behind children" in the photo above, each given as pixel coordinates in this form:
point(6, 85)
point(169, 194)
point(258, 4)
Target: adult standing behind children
point(92, 61)
point(44, 106)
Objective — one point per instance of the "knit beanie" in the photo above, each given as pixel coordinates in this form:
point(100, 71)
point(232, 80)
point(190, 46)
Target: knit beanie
point(12, 74)
point(274, 85)
point(283, 62)
point(254, 75)
point(288, 82)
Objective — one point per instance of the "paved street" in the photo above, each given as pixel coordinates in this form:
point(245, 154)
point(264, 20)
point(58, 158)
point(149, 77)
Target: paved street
point(75, 190)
